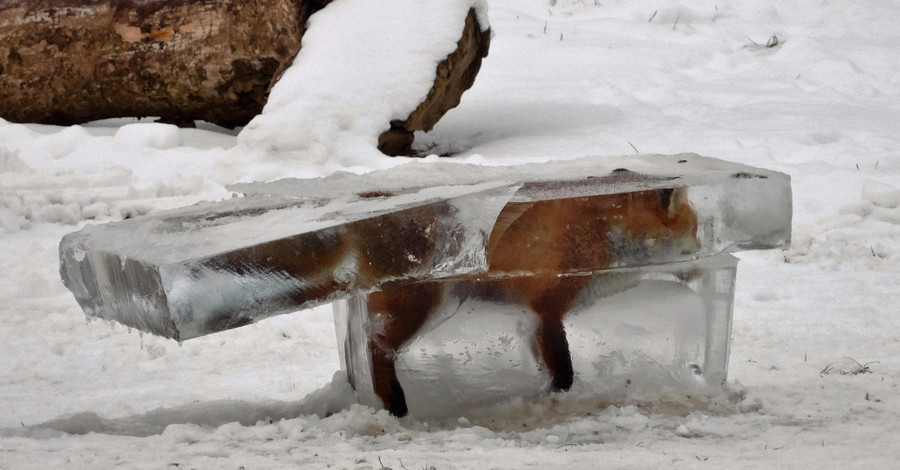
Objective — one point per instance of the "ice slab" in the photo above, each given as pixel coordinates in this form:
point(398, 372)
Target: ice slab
point(739, 207)
point(213, 266)
point(641, 333)
point(293, 244)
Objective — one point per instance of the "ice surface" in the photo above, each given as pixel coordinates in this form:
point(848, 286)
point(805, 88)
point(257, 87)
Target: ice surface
point(209, 267)
point(293, 244)
point(738, 206)
point(633, 332)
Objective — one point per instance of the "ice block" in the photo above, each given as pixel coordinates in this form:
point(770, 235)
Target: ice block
point(639, 333)
point(293, 244)
point(213, 266)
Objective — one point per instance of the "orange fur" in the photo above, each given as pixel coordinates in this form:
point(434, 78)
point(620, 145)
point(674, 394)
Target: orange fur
point(533, 243)
point(573, 235)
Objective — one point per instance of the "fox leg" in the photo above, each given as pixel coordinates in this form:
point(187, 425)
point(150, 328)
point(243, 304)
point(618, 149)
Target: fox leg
point(551, 304)
point(396, 315)
point(384, 379)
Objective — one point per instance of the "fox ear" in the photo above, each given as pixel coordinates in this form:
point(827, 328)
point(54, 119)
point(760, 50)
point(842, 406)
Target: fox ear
point(665, 196)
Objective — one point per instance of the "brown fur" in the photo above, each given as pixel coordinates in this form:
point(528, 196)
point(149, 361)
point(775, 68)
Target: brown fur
point(547, 237)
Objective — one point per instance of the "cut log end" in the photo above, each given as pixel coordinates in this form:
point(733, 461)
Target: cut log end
point(454, 75)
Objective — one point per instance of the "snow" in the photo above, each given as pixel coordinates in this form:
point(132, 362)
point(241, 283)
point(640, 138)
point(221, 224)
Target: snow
point(565, 80)
point(357, 71)
point(153, 135)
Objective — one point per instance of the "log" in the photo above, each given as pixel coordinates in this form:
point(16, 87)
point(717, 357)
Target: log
point(67, 62)
point(454, 76)
point(70, 61)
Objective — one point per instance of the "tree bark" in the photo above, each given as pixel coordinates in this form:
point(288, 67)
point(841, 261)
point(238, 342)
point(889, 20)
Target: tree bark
point(70, 61)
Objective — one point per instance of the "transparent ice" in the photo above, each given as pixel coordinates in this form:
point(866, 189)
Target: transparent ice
point(292, 244)
point(213, 266)
point(638, 334)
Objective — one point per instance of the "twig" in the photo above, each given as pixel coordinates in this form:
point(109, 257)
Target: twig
point(676, 22)
point(635, 148)
point(653, 16)
point(860, 368)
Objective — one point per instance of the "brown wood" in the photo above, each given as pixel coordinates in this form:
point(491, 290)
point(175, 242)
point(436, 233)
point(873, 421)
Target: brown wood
point(71, 61)
point(66, 61)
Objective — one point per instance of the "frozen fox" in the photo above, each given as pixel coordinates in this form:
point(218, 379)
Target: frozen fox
point(534, 238)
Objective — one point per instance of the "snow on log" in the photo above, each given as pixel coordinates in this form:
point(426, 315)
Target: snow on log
point(455, 75)
point(371, 72)
point(70, 61)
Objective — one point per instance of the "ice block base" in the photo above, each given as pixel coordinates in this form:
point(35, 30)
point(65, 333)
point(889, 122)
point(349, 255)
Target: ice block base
point(647, 333)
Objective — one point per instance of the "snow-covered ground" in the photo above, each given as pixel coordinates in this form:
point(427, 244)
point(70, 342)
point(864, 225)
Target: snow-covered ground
point(816, 338)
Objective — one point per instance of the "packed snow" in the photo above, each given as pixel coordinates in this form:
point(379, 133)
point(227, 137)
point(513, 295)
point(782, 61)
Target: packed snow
point(808, 90)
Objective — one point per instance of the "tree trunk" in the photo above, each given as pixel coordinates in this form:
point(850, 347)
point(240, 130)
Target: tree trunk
point(70, 61)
